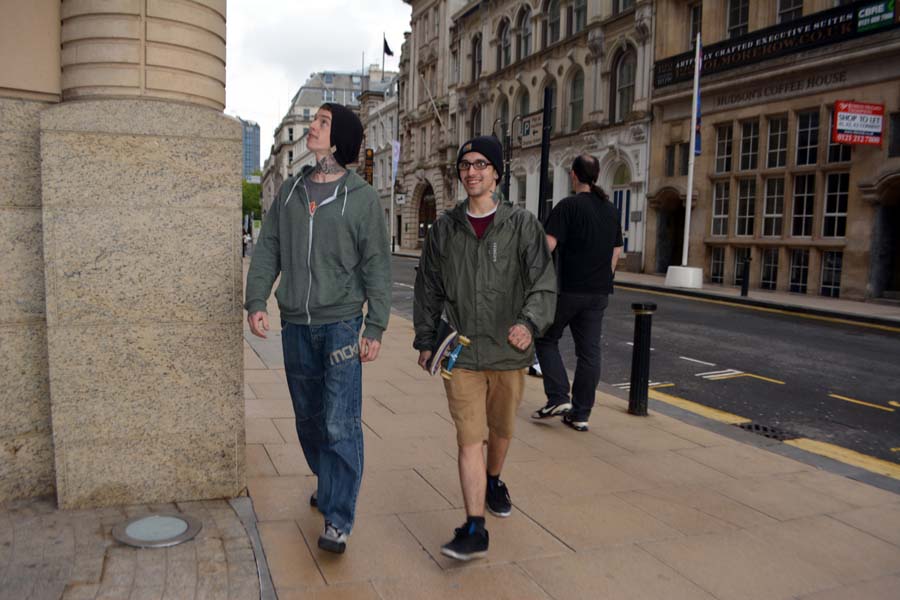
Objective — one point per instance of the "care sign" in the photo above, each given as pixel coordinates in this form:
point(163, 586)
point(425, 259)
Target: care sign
point(857, 123)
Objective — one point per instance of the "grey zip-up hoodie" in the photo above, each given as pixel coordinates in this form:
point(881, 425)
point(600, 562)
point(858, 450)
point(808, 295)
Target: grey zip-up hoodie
point(331, 259)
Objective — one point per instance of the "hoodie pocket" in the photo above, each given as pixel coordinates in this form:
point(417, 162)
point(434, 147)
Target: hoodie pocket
point(330, 287)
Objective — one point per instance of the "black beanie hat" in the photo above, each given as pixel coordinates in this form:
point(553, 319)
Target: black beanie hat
point(346, 133)
point(489, 146)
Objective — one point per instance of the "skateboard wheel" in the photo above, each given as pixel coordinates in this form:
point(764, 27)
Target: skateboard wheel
point(446, 374)
point(464, 340)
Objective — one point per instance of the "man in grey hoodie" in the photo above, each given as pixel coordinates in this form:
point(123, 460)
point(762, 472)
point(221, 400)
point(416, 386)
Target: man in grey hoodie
point(326, 237)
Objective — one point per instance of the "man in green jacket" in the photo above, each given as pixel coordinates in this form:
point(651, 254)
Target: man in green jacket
point(486, 263)
point(325, 235)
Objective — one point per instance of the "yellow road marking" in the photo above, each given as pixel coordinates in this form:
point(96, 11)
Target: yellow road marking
point(894, 403)
point(735, 376)
point(764, 309)
point(847, 456)
point(705, 411)
point(895, 449)
point(884, 408)
point(661, 385)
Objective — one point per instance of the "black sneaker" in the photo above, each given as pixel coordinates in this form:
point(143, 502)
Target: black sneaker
point(469, 541)
point(576, 425)
point(497, 498)
point(551, 410)
point(333, 539)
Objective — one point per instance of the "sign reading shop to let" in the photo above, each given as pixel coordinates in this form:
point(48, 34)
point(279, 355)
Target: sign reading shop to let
point(818, 29)
point(857, 123)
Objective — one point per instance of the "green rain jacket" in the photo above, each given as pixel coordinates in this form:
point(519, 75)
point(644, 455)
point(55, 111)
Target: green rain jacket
point(331, 259)
point(485, 286)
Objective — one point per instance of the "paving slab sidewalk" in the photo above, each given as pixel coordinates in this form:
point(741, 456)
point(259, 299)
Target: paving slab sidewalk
point(639, 507)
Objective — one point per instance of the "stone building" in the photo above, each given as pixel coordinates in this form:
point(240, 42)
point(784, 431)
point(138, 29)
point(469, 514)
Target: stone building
point(120, 313)
point(492, 69)
point(379, 112)
point(814, 217)
point(250, 133)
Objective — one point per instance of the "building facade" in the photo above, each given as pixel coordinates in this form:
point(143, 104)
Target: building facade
point(149, 244)
point(500, 57)
point(813, 216)
point(379, 112)
point(250, 138)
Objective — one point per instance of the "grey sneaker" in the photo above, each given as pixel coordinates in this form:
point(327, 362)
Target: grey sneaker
point(333, 539)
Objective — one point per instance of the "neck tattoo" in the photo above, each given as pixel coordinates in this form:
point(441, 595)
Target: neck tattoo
point(328, 166)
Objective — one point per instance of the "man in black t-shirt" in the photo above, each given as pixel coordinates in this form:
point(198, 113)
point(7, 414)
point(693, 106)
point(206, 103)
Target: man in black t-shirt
point(587, 232)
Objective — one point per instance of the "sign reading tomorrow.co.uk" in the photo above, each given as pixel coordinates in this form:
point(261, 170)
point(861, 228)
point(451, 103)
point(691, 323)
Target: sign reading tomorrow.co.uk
point(819, 29)
point(857, 123)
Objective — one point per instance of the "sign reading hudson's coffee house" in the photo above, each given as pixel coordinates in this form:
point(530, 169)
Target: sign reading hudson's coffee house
point(826, 27)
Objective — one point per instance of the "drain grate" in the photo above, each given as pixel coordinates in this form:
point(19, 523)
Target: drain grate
point(773, 433)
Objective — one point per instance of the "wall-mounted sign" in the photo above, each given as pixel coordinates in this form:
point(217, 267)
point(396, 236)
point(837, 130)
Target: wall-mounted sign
point(532, 126)
point(825, 27)
point(400, 199)
point(857, 123)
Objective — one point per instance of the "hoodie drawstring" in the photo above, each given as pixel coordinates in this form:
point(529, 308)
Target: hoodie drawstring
point(345, 200)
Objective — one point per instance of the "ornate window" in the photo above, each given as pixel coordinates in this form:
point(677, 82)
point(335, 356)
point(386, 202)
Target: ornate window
point(576, 100)
point(504, 45)
point(623, 85)
point(476, 57)
point(523, 35)
point(552, 23)
point(475, 129)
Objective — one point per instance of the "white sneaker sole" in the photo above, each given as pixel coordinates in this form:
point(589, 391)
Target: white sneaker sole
point(502, 515)
point(463, 557)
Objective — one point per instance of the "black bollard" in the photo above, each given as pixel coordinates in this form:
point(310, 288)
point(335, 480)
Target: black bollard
point(640, 358)
point(745, 280)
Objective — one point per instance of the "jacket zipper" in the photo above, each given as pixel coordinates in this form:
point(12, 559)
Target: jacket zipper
point(312, 218)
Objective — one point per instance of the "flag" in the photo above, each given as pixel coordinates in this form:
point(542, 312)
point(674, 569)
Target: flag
point(387, 49)
point(698, 67)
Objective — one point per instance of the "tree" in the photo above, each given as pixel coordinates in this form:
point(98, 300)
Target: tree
point(250, 193)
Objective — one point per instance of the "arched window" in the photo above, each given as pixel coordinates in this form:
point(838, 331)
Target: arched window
point(504, 45)
point(551, 85)
point(552, 22)
point(476, 57)
point(579, 15)
point(503, 115)
point(576, 100)
point(523, 35)
point(622, 87)
point(524, 104)
point(475, 125)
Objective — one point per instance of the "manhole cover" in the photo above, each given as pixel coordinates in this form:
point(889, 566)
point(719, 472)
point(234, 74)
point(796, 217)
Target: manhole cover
point(157, 531)
point(773, 433)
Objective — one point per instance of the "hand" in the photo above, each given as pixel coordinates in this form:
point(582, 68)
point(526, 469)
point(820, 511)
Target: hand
point(520, 337)
point(424, 357)
point(368, 349)
point(259, 323)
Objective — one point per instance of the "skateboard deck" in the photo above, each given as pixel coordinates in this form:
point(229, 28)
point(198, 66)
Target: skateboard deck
point(447, 350)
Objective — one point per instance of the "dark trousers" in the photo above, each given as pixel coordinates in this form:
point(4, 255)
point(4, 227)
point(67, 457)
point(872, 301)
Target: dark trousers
point(583, 314)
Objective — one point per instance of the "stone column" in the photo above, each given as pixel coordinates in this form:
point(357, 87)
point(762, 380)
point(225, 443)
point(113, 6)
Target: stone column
point(29, 82)
point(140, 176)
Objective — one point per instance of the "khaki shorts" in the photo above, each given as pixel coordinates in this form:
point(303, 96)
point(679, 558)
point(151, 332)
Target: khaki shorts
point(482, 400)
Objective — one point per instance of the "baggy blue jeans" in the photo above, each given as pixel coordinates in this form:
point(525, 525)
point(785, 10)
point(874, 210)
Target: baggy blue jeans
point(324, 376)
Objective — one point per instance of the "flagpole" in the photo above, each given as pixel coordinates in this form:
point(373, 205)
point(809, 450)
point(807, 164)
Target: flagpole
point(692, 153)
point(383, 42)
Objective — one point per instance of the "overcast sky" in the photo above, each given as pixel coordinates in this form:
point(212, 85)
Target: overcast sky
point(274, 45)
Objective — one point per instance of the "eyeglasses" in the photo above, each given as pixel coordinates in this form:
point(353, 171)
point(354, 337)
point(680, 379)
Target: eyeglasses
point(479, 165)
